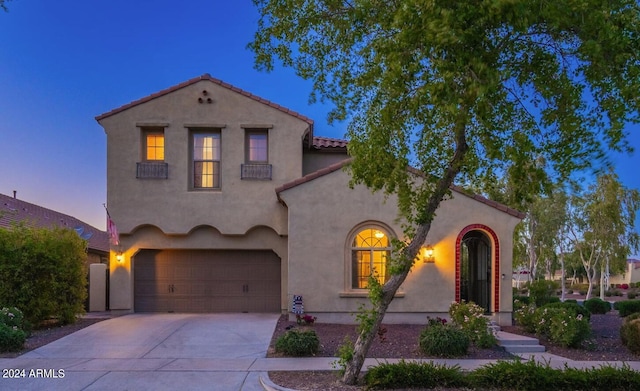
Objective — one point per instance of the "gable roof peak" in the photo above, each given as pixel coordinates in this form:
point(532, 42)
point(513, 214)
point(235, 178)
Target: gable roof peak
point(205, 77)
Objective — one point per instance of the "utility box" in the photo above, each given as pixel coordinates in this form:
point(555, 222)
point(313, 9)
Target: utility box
point(97, 287)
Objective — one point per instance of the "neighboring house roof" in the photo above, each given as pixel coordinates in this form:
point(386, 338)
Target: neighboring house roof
point(13, 210)
point(207, 77)
point(337, 166)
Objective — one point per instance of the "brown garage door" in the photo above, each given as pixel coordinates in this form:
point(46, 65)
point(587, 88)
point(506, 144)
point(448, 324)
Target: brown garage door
point(206, 281)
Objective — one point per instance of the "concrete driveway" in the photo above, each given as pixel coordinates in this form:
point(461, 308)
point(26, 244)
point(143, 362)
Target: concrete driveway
point(149, 351)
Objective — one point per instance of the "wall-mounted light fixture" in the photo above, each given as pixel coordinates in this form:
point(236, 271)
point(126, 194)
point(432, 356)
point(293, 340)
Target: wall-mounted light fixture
point(120, 257)
point(428, 254)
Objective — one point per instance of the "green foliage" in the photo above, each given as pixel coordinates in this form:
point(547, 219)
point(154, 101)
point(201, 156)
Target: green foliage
point(561, 326)
point(515, 375)
point(501, 375)
point(13, 317)
point(443, 340)
point(521, 299)
point(542, 291)
point(345, 354)
point(461, 91)
point(525, 316)
point(11, 338)
point(628, 307)
point(404, 374)
point(574, 307)
point(630, 332)
point(632, 294)
point(298, 343)
point(470, 318)
point(42, 272)
point(596, 305)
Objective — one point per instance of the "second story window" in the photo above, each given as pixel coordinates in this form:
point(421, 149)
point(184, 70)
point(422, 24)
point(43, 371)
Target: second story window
point(257, 145)
point(152, 164)
point(256, 155)
point(154, 146)
point(206, 160)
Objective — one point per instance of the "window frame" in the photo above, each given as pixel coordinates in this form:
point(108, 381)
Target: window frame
point(249, 132)
point(145, 133)
point(352, 263)
point(216, 163)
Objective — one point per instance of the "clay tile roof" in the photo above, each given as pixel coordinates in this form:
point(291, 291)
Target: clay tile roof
point(207, 77)
point(457, 189)
point(13, 210)
point(326, 142)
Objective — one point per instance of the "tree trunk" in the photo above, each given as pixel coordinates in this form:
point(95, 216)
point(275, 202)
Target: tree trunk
point(408, 256)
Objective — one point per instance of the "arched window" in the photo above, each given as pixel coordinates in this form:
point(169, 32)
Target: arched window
point(370, 252)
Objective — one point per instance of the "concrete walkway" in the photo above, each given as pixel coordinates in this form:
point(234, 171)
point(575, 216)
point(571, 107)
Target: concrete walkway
point(183, 352)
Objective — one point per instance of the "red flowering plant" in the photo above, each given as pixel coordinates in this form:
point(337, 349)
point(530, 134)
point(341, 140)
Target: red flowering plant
point(438, 321)
point(305, 319)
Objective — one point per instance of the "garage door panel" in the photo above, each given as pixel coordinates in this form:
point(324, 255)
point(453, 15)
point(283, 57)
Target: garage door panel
point(206, 281)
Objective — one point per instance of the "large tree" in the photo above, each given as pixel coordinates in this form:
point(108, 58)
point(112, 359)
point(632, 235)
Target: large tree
point(602, 227)
point(459, 89)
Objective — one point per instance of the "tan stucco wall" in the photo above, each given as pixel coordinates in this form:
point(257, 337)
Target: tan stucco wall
point(314, 160)
point(168, 203)
point(323, 213)
point(149, 237)
point(165, 213)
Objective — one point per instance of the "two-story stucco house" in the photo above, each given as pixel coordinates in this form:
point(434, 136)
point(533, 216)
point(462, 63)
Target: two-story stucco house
point(227, 202)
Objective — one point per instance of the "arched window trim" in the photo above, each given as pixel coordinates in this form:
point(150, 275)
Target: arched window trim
point(376, 225)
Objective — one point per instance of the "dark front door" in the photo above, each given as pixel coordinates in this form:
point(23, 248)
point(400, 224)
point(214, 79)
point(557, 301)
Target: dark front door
point(475, 269)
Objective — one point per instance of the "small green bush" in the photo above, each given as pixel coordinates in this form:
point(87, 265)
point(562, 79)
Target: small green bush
point(576, 308)
point(444, 340)
point(630, 332)
point(632, 294)
point(405, 375)
point(542, 291)
point(628, 307)
point(596, 305)
point(561, 326)
point(525, 317)
point(522, 299)
point(470, 318)
point(13, 317)
point(298, 343)
point(11, 338)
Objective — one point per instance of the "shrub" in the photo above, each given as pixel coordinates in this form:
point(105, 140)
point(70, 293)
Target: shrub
point(628, 307)
point(597, 306)
point(42, 272)
point(13, 317)
point(561, 326)
point(630, 334)
point(572, 306)
point(624, 286)
point(568, 329)
point(542, 291)
point(403, 375)
point(525, 317)
point(443, 341)
point(626, 329)
point(298, 343)
point(470, 318)
point(522, 299)
point(571, 301)
point(631, 294)
point(11, 338)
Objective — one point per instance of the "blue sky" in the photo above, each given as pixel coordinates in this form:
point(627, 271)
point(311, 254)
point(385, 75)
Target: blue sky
point(64, 62)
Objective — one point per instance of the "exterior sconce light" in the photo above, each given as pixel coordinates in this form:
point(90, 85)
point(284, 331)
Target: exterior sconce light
point(428, 255)
point(119, 257)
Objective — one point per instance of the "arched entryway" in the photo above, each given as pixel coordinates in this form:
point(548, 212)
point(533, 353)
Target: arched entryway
point(477, 265)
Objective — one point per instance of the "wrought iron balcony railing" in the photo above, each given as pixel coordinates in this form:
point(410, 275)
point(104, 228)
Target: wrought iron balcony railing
point(255, 171)
point(152, 170)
